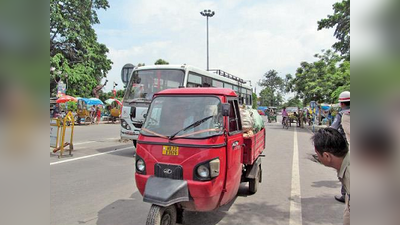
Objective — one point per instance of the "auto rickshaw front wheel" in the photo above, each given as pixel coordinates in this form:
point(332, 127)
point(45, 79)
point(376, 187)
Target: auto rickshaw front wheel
point(160, 215)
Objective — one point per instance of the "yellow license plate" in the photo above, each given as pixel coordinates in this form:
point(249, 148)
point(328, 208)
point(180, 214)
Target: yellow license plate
point(170, 150)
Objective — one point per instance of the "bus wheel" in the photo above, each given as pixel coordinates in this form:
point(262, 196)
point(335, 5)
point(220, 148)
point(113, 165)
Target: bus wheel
point(159, 215)
point(253, 183)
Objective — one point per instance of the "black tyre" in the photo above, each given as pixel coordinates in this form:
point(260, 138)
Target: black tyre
point(159, 215)
point(253, 183)
point(134, 143)
point(88, 120)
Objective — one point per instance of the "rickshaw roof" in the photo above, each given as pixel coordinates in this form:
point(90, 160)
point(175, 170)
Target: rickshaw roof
point(198, 91)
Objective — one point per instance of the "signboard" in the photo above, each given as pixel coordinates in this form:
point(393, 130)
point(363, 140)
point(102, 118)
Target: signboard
point(53, 133)
point(312, 104)
point(126, 73)
point(61, 87)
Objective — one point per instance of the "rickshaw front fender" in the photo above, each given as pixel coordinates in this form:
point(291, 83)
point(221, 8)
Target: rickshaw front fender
point(165, 191)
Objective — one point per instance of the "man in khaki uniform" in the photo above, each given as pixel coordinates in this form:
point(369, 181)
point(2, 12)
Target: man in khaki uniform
point(346, 125)
point(333, 151)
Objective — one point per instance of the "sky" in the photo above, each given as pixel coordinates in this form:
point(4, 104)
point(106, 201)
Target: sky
point(247, 38)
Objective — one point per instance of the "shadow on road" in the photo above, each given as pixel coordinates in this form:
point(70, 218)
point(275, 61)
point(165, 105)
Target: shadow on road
point(322, 210)
point(134, 211)
point(327, 183)
point(125, 211)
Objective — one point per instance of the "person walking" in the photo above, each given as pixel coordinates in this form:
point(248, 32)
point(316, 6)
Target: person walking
point(333, 151)
point(344, 101)
point(285, 115)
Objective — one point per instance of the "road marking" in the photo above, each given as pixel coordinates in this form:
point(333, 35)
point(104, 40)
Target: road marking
point(90, 156)
point(295, 195)
point(86, 142)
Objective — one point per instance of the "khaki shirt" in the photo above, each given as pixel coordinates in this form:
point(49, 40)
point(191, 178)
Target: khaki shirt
point(346, 125)
point(344, 173)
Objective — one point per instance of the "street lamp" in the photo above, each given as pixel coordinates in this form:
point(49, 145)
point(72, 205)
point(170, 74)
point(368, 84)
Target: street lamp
point(207, 13)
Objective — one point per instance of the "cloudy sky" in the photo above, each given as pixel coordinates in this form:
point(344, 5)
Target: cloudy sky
point(247, 37)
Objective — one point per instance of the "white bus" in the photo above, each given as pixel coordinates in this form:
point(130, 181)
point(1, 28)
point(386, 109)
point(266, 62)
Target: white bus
point(145, 81)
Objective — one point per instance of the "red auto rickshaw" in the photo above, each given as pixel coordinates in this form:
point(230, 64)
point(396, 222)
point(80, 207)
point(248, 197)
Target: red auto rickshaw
point(191, 154)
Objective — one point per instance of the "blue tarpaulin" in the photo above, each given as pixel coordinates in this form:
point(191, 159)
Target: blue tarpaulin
point(263, 108)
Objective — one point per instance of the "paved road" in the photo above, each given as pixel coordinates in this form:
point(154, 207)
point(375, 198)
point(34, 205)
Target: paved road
point(101, 189)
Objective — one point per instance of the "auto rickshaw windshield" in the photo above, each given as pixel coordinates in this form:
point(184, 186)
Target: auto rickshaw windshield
point(184, 117)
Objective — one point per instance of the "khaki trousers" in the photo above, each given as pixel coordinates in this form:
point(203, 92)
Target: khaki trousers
point(346, 214)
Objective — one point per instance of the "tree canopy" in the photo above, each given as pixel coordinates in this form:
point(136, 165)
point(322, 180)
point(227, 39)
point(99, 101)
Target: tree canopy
point(161, 62)
point(341, 20)
point(273, 85)
point(322, 80)
point(74, 50)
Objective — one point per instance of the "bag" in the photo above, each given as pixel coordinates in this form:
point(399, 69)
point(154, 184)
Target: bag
point(247, 120)
point(258, 120)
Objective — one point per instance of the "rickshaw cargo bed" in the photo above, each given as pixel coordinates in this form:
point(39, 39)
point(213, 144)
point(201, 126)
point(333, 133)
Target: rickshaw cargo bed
point(253, 147)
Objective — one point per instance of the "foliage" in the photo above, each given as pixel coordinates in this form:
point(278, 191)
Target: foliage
point(293, 102)
point(141, 64)
point(340, 19)
point(161, 62)
point(74, 50)
point(254, 97)
point(273, 85)
point(108, 95)
point(268, 98)
point(321, 81)
point(72, 106)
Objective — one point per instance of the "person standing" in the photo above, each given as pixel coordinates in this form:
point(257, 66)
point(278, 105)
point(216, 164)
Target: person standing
point(98, 114)
point(333, 151)
point(344, 101)
point(92, 113)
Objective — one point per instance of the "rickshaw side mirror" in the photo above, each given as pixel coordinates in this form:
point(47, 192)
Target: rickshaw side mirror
point(145, 115)
point(226, 109)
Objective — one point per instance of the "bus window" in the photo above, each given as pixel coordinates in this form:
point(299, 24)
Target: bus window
point(236, 89)
point(194, 79)
point(217, 83)
point(206, 81)
point(226, 85)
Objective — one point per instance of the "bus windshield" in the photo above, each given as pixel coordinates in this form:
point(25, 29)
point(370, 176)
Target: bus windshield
point(144, 83)
point(184, 117)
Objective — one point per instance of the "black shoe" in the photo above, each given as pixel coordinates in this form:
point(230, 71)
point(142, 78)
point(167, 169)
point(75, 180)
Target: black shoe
point(340, 198)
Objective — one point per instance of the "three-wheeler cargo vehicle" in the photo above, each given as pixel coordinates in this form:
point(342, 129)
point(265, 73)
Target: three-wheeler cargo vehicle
point(191, 153)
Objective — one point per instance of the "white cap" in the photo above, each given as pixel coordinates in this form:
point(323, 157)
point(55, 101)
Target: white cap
point(344, 96)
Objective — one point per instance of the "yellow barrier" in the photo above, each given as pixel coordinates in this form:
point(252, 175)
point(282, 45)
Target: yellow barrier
point(57, 134)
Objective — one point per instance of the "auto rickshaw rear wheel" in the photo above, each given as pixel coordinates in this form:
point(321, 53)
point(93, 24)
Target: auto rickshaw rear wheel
point(159, 215)
point(253, 183)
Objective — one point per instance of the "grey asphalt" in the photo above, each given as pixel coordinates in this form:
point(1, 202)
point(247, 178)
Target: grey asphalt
point(101, 190)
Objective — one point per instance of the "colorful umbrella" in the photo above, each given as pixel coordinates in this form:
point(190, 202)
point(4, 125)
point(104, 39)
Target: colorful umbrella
point(94, 101)
point(66, 98)
point(111, 100)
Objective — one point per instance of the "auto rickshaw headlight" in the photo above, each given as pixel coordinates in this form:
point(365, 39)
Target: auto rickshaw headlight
point(207, 170)
point(214, 167)
point(140, 166)
point(203, 171)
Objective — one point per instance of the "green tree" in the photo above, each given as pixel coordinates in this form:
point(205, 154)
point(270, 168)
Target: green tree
point(161, 62)
point(273, 85)
point(295, 101)
point(321, 80)
point(254, 97)
point(341, 20)
point(74, 49)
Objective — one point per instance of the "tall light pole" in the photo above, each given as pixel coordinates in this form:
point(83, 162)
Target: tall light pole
point(207, 13)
